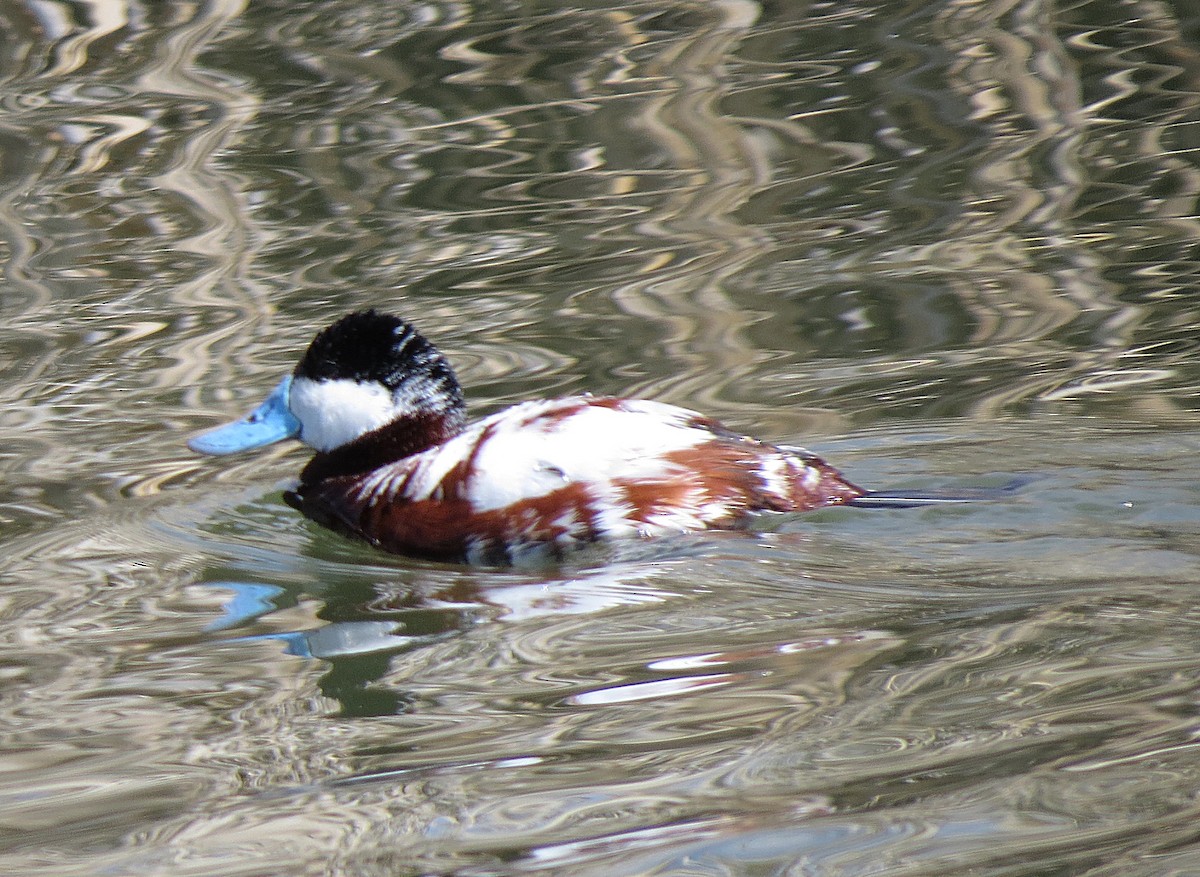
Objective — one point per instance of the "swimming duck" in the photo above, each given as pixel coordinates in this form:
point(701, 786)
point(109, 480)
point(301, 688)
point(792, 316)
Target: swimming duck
point(397, 463)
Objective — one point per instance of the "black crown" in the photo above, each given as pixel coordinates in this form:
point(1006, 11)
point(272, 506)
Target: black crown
point(369, 346)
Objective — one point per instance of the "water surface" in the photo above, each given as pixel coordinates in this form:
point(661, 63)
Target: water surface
point(942, 245)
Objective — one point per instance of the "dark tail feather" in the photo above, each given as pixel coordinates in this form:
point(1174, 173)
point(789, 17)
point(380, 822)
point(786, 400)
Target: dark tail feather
point(907, 499)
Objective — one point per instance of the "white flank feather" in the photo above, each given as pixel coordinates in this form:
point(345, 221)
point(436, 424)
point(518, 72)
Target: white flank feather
point(531, 452)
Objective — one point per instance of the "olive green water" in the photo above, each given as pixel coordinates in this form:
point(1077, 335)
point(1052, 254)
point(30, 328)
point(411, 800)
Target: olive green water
point(944, 245)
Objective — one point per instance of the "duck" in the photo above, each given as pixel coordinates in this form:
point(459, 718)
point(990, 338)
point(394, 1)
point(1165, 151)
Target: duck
point(398, 465)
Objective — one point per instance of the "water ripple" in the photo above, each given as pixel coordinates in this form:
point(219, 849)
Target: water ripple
point(961, 236)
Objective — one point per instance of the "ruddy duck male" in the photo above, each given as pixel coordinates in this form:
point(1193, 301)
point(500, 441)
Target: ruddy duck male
point(398, 465)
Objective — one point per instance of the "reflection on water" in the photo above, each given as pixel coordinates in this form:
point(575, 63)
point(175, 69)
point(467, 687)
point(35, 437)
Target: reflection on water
point(960, 236)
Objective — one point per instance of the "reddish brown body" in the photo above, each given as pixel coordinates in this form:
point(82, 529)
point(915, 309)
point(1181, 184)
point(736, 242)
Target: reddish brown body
point(544, 476)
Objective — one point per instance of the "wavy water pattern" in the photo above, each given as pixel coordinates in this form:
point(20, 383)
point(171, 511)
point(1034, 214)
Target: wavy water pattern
point(944, 244)
point(861, 690)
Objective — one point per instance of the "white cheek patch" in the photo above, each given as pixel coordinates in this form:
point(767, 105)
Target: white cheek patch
point(332, 413)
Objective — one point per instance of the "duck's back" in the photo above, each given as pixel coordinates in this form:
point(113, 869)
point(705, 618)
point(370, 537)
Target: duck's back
point(547, 475)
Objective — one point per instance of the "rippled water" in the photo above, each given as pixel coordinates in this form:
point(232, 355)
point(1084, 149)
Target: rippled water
point(942, 244)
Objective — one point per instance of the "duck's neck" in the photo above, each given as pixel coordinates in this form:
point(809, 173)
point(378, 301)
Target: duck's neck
point(393, 441)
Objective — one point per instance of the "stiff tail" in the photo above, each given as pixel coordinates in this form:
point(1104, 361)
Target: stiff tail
point(907, 499)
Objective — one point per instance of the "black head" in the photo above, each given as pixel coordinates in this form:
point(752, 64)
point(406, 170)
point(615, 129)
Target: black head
point(370, 347)
point(368, 370)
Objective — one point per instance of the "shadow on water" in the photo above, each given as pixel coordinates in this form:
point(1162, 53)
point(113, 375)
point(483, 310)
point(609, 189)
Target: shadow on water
point(941, 244)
